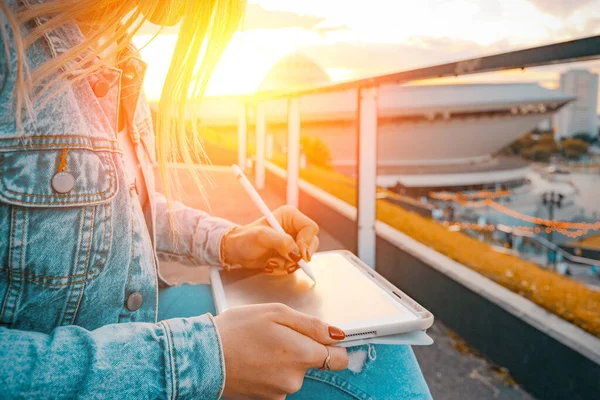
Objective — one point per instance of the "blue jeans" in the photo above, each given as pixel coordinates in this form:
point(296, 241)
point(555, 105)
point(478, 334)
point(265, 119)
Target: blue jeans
point(389, 372)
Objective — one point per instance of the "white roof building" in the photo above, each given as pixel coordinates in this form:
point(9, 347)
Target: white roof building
point(428, 136)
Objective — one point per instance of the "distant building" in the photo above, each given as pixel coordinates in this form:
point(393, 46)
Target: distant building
point(580, 115)
point(438, 137)
point(295, 71)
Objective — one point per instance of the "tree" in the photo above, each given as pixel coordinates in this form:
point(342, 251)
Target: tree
point(524, 142)
point(574, 148)
point(541, 152)
point(547, 140)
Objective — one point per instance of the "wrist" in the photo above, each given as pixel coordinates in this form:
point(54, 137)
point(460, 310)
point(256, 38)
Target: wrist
point(228, 249)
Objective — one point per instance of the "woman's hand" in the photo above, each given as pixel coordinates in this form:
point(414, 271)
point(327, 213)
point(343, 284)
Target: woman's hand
point(257, 245)
point(269, 347)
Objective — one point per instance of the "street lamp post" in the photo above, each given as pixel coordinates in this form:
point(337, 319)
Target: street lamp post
point(552, 199)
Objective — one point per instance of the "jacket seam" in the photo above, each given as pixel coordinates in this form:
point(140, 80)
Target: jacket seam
point(132, 256)
point(87, 264)
point(78, 303)
point(9, 268)
point(69, 312)
point(105, 221)
point(34, 146)
point(221, 355)
point(41, 278)
point(21, 267)
point(173, 353)
point(91, 139)
point(21, 262)
point(54, 204)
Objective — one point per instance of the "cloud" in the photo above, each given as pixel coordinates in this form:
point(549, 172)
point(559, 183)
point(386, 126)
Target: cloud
point(377, 58)
point(591, 27)
point(258, 17)
point(559, 8)
point(324, 30)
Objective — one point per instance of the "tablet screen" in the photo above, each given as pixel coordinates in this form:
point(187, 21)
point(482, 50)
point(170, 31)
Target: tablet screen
point(342, 292)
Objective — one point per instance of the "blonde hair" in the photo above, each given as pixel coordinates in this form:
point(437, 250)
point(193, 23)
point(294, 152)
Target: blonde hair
point(205, 29)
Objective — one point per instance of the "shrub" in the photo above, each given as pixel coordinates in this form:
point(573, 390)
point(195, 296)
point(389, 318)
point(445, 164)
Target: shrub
point(547, 140)
point(541, 151)
point(574, 148)
point(316, 151)
point(589, 139)
point(524, 142)
point(535, 147)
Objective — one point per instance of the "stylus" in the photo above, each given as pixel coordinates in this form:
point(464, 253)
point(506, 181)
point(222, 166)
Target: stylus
point(259, 202)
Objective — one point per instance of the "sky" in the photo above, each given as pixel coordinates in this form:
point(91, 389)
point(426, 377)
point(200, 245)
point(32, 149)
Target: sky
point(351, 39)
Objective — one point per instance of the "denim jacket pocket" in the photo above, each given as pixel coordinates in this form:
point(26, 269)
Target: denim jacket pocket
point(54, 232)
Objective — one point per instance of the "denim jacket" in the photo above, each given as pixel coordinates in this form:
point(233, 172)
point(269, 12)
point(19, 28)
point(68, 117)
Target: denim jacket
point(78, 252)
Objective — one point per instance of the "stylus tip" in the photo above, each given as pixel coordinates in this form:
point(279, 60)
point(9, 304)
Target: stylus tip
point(309, 273)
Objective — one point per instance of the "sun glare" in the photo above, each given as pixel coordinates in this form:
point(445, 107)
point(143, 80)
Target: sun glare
point(244, 64)
point(431, 32)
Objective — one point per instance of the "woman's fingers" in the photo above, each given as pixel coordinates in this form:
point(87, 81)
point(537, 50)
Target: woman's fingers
point(299, 225)
point(307, 325)
point(282, 243)
point(312, 248)
point(281, 265)
point(306, 238)
point(274, 264)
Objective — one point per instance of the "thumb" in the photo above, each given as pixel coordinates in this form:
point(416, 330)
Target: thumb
point(309, 326)
point(282, 243)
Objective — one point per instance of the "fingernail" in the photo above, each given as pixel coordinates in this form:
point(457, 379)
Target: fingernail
point(272, 265)
point(292, 269)
point(309, 255)
point(295, 255)
point(268, 270)
point(336, 333)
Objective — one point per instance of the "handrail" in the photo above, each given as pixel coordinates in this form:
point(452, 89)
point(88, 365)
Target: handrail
point(367, 119)
point(564, 52)
point(549, 245)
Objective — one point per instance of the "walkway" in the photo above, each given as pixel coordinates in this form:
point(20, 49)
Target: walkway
point(451, 369)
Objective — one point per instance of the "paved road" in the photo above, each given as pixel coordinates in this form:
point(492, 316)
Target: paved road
point(453, 372)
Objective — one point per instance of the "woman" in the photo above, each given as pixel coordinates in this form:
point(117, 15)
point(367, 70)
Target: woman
point(81, 227)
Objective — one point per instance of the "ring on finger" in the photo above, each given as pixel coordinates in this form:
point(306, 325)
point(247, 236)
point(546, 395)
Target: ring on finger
point(326, 363)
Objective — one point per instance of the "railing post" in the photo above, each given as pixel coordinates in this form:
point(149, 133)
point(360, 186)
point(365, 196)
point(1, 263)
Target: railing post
point(259, 169)
point(242, 137)
point(367, 174)
point(293, 152)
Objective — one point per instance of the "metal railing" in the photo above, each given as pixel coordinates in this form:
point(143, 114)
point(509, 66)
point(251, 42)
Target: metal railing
point(564, 52)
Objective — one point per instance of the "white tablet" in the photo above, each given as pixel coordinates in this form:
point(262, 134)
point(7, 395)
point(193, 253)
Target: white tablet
point(348, 294)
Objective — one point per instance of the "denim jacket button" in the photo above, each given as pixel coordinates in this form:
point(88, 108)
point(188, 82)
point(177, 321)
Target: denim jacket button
point(63, 182)
point(101, 87)
point(134, 301)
